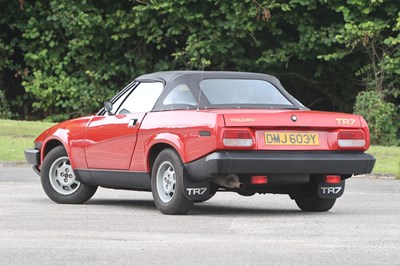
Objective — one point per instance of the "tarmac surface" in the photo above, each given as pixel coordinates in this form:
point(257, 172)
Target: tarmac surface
point(124, 228)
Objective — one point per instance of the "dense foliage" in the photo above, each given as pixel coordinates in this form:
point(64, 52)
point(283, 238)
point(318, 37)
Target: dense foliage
point(381, 116)
point(62, 59)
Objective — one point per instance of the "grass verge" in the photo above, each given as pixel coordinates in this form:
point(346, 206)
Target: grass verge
point(16, 136)
point(387, 160)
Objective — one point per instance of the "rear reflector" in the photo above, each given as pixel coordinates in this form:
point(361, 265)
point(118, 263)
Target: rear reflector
point(259, 179)
point(237, 138)
point(332, 179)
point(351, 139)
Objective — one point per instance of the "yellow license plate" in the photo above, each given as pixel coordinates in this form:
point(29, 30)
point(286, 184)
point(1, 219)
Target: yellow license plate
point(291, 138)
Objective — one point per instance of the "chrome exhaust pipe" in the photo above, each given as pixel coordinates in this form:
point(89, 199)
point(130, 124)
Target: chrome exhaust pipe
point(229, 181)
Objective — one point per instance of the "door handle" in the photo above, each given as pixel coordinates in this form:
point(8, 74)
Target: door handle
point(132, 122)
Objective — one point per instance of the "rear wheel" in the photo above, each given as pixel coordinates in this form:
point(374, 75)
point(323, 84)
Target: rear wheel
point(59, 182)
point(167, 184)
point(315, 204)
point(308, 200)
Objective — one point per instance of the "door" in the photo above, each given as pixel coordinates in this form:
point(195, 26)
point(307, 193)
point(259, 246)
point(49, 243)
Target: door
point(110, 139)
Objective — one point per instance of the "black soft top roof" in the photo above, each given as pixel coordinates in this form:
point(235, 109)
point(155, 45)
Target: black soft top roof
point(168, 76)
point(193, 78)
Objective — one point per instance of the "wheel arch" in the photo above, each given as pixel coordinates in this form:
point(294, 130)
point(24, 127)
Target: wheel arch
point(154, 151)
point(158, 142)
point(50, 145)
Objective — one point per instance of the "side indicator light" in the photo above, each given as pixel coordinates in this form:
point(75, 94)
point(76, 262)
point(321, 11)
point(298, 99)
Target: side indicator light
point(259, 179)
point(204, 133)
point(332, 179)
point(38, 145)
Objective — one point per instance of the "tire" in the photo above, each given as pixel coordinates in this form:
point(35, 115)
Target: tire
point(308, 200)
point(58, 179)
point(315, 204)
point(167, 184)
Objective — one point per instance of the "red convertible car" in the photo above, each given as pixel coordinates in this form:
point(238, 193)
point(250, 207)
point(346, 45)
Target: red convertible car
point(186, 135)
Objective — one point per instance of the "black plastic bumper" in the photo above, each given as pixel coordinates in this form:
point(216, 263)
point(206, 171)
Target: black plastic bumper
point(277, 162)
point(32, 156)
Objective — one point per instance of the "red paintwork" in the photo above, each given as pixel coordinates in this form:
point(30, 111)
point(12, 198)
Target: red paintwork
point(71, 134)
point(323, 123)
point(106, 142)
point(179, 129)
point(109, 141)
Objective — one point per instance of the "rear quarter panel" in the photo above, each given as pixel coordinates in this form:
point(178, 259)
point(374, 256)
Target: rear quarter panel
point(179, 129)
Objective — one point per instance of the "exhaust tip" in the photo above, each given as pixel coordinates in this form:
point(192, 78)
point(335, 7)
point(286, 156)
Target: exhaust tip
point(229, 181)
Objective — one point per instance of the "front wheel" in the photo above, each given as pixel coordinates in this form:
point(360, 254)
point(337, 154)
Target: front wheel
point(59, 182)
point(167, 184)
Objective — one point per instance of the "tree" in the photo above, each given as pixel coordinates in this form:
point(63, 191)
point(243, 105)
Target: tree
point(71, 56)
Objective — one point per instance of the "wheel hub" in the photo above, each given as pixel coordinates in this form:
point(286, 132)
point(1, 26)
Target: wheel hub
point(62, 177)
point(169, 181)
point(166, 181)
point(66, 176)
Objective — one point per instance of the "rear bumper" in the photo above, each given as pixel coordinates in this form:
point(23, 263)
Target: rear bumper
point(279, 162)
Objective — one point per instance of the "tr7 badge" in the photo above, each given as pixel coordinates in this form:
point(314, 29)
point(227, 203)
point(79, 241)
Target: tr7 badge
point(345, 121)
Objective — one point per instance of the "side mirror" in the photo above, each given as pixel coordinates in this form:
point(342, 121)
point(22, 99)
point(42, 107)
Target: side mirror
point(108, 107)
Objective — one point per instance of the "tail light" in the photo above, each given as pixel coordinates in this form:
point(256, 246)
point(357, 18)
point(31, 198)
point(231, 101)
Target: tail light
point(351, 139)
point(237, 138)
point(332, 179)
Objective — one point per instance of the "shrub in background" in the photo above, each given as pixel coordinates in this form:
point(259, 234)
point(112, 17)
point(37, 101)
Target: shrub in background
point(381, 116)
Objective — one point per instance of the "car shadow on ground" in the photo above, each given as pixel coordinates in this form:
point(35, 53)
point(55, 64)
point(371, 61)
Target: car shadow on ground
point(134, 203)
point(201, 208)
point(219, 210)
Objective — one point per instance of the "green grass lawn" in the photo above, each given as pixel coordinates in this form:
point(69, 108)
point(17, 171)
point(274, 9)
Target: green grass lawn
point(16, 136)
point(387, 160)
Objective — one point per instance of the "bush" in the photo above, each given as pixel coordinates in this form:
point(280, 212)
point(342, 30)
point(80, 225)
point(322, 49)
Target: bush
point(382, 117)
